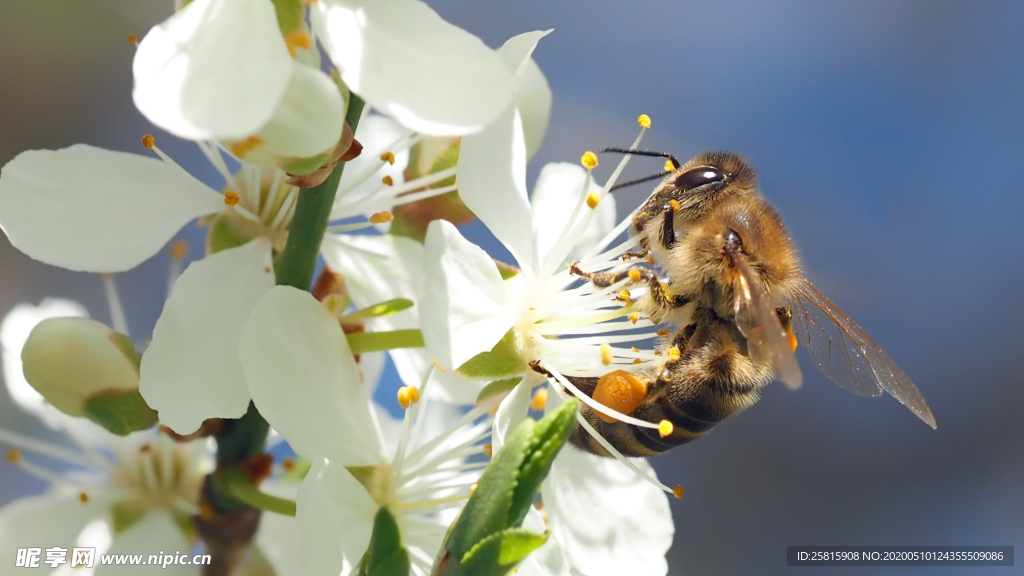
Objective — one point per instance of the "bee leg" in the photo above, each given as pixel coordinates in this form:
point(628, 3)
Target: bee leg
point(630, 255)
point(668, 227)
point(663, 299)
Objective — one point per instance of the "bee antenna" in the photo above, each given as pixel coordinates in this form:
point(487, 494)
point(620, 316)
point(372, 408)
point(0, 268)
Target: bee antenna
point(675, 161)
point(638, 181)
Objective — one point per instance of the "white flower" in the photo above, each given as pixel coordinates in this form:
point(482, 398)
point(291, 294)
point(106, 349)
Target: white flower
point(218, 69)
point(468, 309)
point(305, 382)
point(214, 69)
point(90, 209)
point(121, 495)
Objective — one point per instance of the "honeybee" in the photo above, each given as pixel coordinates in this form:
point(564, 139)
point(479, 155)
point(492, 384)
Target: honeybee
point(739, 305)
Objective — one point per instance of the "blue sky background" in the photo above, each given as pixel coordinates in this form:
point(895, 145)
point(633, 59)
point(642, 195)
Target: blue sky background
point(888, 133)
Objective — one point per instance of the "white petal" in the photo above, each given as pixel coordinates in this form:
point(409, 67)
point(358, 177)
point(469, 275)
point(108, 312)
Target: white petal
point(305, 127)
point(558, 190)
point(52, 519)
point(492, 183)
point(278, 536)
point(534, 94)
point(155, 533)
point(407, 62)
point(304, 380)
point(547, 560)
point(513, 409)
point(379, 268)
point(216, 69)
point(606, 519)
point(14, 331)
point(466, 307)
point(94, 210)
point(335, 517)
point(191, 370)
point(534, 105)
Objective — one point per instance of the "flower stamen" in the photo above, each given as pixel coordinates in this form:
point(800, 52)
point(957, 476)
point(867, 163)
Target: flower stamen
point(296, 40)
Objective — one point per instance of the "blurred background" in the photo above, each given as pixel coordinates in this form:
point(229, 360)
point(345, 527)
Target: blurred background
point(888, 133)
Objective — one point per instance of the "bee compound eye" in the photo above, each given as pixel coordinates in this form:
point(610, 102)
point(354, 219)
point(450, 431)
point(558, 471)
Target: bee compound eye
point(699, 176)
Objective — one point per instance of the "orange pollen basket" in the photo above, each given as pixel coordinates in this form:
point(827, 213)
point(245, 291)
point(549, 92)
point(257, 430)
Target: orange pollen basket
point(620, 391)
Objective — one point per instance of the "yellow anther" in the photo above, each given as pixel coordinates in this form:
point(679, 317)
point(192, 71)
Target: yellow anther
point(606, 354)
point(231, 198)
point(414, 394)
point(634, 349)
point(593, 199)
point(634, 275)
point(288, 465)
point(472, 488)
point(665, 428)
point(662, 333)
point(644, 121)
point(205, 512)
point(589, 160)
point(674, 354)
point(179, 249)
point(625, 295)
point(438, 366)
point(678, 492)
point(658, 353)
point(404, 399)
point(245, 145)
point(13, 455)
point(388, 181)
point(488, 449)
point(83, 497)
point(634, 318)
point(148, 141)
point(133, 39)
point(637, 361)
point(296, 40)
point(674, 204)
point(540, 399)
point(382, 217)
point(669, 166)
point(650, 260)
point(333, 303)
point(388, 157)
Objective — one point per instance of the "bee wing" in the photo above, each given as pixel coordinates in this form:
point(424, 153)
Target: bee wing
point(759, 323)
point(849, 357)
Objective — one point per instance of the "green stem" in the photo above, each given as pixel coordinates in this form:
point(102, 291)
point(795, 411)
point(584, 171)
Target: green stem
point(364, 342)
point(244, 438)
point(309, 224)
point(236, 483)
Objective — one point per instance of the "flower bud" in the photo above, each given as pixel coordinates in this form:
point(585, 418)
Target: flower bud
point(83, 368)
point(305, 129)
point(431, 155)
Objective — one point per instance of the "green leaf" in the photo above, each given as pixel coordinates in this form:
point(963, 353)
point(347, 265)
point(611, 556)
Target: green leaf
point(386, 308)
point(495, 390)
point(120, 411)
point(505, 360)
point(386, 556)
point(550, 434)
point(499, 553)
point(486, 539)
point(362, 342)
